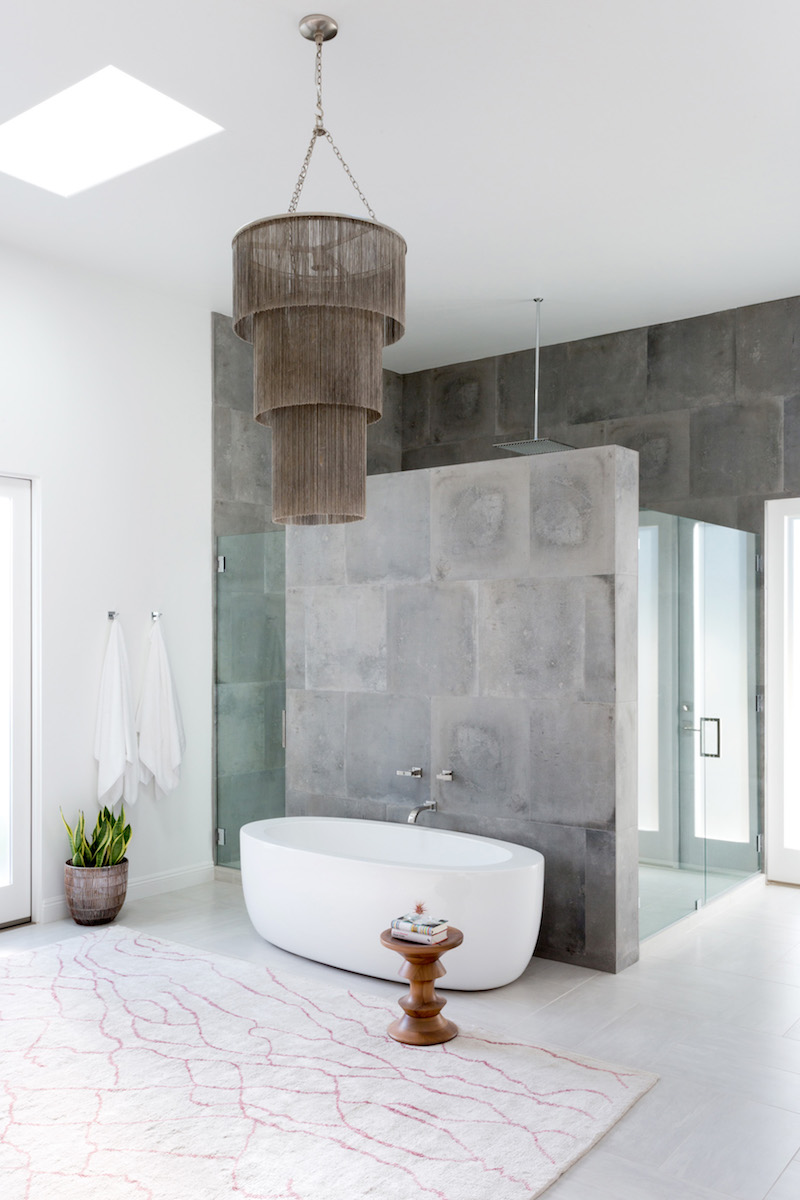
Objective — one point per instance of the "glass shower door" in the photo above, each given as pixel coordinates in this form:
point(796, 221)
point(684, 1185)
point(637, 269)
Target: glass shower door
point(719, 821)
point(250, 685)
point(698, 773)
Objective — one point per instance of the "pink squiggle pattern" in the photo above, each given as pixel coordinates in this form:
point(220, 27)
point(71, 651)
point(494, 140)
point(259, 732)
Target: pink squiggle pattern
point(160, 1073)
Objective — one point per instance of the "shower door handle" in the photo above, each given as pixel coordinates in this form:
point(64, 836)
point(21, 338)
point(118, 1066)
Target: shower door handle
point(704, 723)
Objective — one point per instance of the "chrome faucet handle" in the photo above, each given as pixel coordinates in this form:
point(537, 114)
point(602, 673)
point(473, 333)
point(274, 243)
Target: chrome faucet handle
point(445, 776)
point(415, 772)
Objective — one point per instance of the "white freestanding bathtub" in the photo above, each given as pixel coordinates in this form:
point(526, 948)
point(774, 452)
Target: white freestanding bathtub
point(325, 888)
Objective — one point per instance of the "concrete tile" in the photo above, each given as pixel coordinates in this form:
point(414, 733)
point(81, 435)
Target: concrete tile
point(791, 445)
point(315, 741)
point(737, 1147)
point(416, 410)
point(232, 366)
point(563, 933)
point(690, 363)
point(628, 504)
point(627, 890)
point(736, 450)
point(382, 459)
point(250, 459)
point(572, 513)
point(599, 628)
point(222, 453)
point(346, 638)
point(662, 443)
point(360, 809)
point(603, 377)
point(431, 642)
point(462, 400)
point(605, 1176)
point(480, 521)
point(393, 542)
point(626, 643)
point(515, 391)
point(295, 638)
point(573, 766)
point(387, 734)
point(600, 949)
point(787, 1186)
point(315, 555)
point(626, 760)
point(719, 510)
point(552, 384)
point(531, 640)
point(445, 454)
point(486, 744)
point(392, 420)
point(768, 351)
point(234, 517)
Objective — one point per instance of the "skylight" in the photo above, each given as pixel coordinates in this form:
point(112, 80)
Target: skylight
point(102, 127)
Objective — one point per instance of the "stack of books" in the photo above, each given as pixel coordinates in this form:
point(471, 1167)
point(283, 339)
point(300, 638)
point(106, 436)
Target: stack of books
point(414, 927)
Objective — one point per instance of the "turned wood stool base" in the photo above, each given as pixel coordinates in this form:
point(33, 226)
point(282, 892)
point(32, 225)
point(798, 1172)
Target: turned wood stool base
point(423, 1024)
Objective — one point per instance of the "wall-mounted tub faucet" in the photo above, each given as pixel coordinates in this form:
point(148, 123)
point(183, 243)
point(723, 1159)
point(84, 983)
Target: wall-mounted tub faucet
point(429, 805)
point(445, 776)
point(415, 772)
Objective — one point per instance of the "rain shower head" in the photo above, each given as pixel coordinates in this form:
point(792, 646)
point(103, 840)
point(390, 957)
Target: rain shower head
point(534, 445)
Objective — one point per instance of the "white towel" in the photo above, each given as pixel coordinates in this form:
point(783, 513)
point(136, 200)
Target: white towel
point(158, 720)
point(115, 736)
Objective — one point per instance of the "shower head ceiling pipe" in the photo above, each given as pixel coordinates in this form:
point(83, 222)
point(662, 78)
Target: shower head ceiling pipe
point(319, 295)
point(534, 445)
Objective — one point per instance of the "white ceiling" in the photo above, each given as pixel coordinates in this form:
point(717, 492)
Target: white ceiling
point(631, 161)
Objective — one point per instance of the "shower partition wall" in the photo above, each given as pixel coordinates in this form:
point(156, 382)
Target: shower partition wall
point(698, 760)
point(250, 685)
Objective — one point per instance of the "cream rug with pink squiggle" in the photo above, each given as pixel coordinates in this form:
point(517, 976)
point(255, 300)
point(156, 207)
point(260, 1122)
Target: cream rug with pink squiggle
point(136, 1069)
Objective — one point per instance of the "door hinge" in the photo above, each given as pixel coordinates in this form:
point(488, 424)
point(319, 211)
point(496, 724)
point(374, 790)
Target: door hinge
point(220, 564)
point(220, 836)
point(283, 729)
point(759, 701)
point(759, 564)
point(759, 842)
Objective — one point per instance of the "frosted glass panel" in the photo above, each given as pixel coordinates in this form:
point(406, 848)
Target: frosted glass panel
point(791, 721)
point(6, 679)
point(722, 706)
point(648, 679)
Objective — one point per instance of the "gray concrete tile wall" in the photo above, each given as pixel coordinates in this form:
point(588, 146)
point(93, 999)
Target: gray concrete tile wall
point(711, 404)
point(473, 642)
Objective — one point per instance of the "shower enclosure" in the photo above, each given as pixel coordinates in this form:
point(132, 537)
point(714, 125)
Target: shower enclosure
point(250, 685)
point(698, 756)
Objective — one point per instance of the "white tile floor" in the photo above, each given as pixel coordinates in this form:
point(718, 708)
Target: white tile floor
point(713, 1007)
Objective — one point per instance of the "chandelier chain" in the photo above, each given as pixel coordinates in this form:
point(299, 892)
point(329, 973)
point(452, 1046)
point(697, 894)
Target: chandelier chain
point(318, 131)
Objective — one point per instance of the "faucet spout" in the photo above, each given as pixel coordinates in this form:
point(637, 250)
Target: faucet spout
point(430, 805)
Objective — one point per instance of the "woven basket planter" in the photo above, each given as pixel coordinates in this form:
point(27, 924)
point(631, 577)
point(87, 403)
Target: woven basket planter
point(95, 894)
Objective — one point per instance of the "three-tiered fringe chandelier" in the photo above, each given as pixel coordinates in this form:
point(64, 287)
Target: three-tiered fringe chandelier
point(319, 295)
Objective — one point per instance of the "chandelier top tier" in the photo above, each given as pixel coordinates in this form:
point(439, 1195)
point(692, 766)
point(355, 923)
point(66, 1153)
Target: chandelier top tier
point(319, 295)
point(295, 260)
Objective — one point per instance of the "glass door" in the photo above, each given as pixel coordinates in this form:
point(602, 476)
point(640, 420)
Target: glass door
point(698, 759)
point(15, 700)
point(718, 752)
point(250, 686)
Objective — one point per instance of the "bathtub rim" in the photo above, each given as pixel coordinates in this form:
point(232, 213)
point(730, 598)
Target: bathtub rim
point(520, 858)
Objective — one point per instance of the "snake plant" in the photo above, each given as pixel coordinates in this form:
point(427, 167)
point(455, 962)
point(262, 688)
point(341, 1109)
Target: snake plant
point(109, 839)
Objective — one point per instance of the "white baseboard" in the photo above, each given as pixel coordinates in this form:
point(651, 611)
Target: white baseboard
point(56, 909)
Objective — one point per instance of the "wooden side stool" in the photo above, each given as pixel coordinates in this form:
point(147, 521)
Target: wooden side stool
point(423, 1024)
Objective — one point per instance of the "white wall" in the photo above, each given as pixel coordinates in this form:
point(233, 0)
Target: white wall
point(105, 398)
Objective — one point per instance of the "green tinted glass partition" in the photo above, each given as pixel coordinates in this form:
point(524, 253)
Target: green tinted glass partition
point(250, 685)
